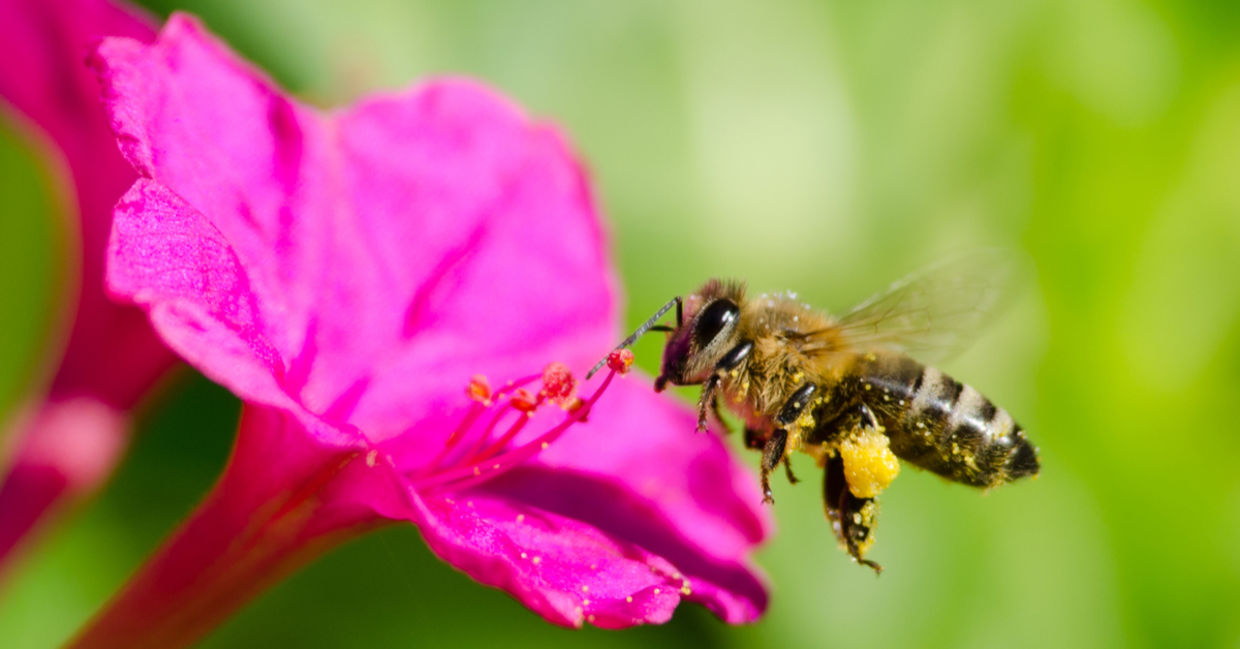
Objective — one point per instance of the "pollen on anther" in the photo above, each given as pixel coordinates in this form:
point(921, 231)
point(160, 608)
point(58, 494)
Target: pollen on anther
point(585, 589)
point(524, 401)
point(620, 361)
point(558, 384)
point(536, 560)
point(479, 389)
point(520, 517)
point(629, 599)
point(372, 457)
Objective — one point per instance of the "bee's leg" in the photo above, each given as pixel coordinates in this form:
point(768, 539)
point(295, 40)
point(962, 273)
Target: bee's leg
point(866, 418)
point(714, 408)
point(753, 438)
point(788, 471)
point(729, 362)
point(795, 405)
point(790, 412)
point(852, 518)
point(772, 453)
point(706, 400)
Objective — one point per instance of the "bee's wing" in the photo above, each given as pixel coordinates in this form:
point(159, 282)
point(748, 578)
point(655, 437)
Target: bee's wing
point(936, 312)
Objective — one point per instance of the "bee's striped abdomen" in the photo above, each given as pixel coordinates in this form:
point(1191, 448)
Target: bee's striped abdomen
point(940, 424)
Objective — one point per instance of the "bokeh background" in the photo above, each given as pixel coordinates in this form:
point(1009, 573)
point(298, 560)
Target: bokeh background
point(826, 147)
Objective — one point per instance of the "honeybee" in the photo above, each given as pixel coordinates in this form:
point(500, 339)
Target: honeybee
point(847, 390)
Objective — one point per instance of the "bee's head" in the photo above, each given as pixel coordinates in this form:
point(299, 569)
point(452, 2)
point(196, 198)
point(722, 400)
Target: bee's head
point(707, 331)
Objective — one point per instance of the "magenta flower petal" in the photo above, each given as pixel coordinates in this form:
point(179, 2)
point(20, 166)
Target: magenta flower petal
point(387, 250)
point(564, 569)
point(631, 476)
point(169, 258)
point(346, 274)
point(110, 357)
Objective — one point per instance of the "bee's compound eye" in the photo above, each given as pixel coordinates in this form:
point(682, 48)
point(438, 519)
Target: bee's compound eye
point(714, 318)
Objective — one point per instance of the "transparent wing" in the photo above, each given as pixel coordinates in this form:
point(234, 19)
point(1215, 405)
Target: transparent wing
point(936, 312)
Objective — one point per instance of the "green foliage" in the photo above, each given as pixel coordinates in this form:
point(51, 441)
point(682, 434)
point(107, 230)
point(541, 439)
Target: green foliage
point(31, 228)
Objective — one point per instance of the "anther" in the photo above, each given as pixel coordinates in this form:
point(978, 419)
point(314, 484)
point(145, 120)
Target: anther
point(524, 401)
point(479, 389)
point(559, 386)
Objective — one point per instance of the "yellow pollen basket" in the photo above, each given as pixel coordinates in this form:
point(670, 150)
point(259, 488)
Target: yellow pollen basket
point(869, 464)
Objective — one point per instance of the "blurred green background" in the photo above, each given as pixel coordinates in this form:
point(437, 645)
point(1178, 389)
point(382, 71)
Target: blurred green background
point(828, 148)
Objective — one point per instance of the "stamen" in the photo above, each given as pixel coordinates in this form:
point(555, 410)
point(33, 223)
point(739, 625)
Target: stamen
point(512, 406)
point(499, 444)
point(477, 384)
point(485, 460)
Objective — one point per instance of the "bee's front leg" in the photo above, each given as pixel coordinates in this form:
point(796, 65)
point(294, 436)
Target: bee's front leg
point(729, 362)
point(714, 408)
point(706, 399)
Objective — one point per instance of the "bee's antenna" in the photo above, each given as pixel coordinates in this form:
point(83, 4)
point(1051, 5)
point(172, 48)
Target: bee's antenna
point(646, 326)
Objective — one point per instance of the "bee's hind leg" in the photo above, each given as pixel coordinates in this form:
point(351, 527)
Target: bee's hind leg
point(852, 518)
point(772, 454)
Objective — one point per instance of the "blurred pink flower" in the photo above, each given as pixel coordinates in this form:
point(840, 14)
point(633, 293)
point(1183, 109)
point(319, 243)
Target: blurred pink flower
point(71, 430)
point(345, 274)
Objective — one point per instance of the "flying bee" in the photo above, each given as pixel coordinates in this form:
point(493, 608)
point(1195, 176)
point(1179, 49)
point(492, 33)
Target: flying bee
point(847, 390)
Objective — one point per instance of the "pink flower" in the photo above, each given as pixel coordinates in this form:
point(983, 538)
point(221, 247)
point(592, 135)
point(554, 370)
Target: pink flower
point(72, 430)
point(345, 274)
